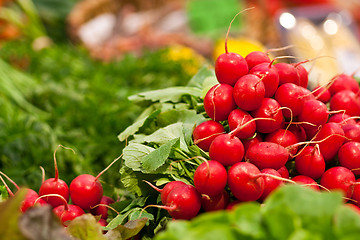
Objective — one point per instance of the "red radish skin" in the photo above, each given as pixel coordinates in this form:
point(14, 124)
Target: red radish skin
point(86, 191)
point(240, 125)
point(289, 95)
point(314, 112)
point(270, 183)
point(68, 213)
point(343, 82)
point(102, 210)
point(284, 138)
point(310, 162)
point(303, 75)
point(215, 203)
point(245, 181)
point(346, 100)
point(210, 178)
point(339, 178)
point(287, 73)
point(270, 109)
point(248, 142)
point(342, 119)
point(168, 188)
point(306, 181)
point(356, 192)
point(284, 172)
point(330, 137)
point(256, 57)
point(349, 156)
point(183, 202)
point(229, 67)
point(219, 102)
point(352, 132)
point(298, 131)
point(248, 93)
point(267, 155)
point(322, 94)
point(30, 200)
point(269, 76)
point(226, 149)
point(206, 132)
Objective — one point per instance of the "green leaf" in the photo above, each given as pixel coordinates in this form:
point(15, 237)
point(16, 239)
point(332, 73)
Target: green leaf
point(183, 115)
point(172, 94)
point(158, 157)
point(126, 231)
point(347, 223)
point(198, 79)
point(3, 193)
point(86, 227)
point(134, 154)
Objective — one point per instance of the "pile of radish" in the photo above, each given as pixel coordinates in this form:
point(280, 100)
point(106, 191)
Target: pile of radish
point(266, 129)
point(84, 194)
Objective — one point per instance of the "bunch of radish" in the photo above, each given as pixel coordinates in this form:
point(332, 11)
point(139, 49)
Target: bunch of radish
point(84, 194)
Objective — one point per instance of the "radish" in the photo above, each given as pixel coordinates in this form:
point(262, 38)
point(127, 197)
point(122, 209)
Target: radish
point(267, 155)
point(306, 181)
point(306, 94)
point(229, 66)
point(210, 178)
point(66, 212)
point(214, 203)
point(330, 137)
point(54, 186)
point(287, 73)
point(346, 100)
point(268, 75)
point(284, 138)
point(245, 181)
point(219, 102)
point(248, 142)
point(289, 95)
point(298, 131)
point(342, 119)
point(284, 172)
point(102, 209)
point(86, 190)
point(270, 182)
point(30, 197)
point(241, 124)
point(352, 132)
point(343, 82)
point(356, 192)
point(206, 132)
point(270, 109)
point(166, 189)
point(314, 112)
point(256, 57)
point(322, 94)
point(310, 162)
point(248, 93)
point(226, 149)
point(302, 73)
point(339, 178)
point(349, 156)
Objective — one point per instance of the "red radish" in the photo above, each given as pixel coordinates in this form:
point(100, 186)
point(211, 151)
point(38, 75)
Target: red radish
point(343, 82)
point(229, 66)
point(287, 73)
point(270, 109)
point(226, 149)
point(54, 186)
point(352, 132)
point(219, 102)
point(30, 197)
point(339, 178)
point(310, 162)
point(306, 94)
point(356, 192)
point(240, 125)
point(166, 189)
point(268, 75)
point(284, 172)
point(298, 131)
point(248, 93)
point(103, 222)
point(183, 202)
point(346, 100)
point(102, 209)
point(256, 57)
point(68, 213)
point(303, 74)
point(330, 137)
point(86, 190)
point(245, 181)
point(284, 138)
point(248, 142)
point(289, 95)
point(322, 94)
point(210, 178)
point(349, 156)
point(214, 203)
point(314, 112)
point(267, 155)
point(306, 181)
point(342, 119)
point(270, 183)
point(206, 132)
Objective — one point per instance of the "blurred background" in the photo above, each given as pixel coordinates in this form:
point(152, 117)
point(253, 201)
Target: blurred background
point(68, 66)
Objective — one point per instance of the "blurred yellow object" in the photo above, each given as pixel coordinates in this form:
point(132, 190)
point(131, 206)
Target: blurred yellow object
point(241, 45)
point(190, 60)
